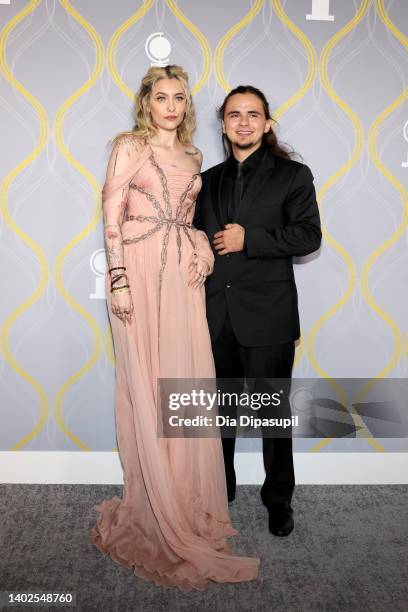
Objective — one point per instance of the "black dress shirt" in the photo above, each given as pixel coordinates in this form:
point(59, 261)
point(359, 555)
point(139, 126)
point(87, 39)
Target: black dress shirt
point(228, 188)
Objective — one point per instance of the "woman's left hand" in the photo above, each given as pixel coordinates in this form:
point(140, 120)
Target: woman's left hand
point(199, 270)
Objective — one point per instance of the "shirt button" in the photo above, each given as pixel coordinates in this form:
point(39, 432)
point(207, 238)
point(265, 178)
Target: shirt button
point(228, 254)
point(228, 286)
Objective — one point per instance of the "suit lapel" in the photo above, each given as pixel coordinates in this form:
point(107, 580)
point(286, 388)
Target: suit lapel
point(255, 186)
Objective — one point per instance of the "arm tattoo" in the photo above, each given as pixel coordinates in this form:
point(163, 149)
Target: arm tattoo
point(114, 249)
point(113, 218)
point(113, 245)
point(196, 152)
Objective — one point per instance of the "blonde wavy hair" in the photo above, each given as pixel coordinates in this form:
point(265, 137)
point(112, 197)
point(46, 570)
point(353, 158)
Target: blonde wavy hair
point(144, 127)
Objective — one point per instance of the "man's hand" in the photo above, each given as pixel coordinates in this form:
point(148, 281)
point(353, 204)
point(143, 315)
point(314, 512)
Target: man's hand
point(230, 239)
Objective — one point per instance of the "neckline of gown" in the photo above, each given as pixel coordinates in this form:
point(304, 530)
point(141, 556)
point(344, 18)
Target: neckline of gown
point(159, 163)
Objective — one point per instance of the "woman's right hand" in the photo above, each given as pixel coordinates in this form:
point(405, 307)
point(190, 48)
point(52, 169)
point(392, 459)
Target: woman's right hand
point(122, 306)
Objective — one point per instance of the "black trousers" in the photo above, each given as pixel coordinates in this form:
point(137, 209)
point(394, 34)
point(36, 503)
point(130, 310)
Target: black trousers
point(234, 361)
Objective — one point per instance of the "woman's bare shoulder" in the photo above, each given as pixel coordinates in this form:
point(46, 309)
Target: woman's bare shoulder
point(193, 151)
point(129, 141)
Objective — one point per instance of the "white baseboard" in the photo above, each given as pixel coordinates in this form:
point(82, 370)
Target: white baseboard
point(104, 468)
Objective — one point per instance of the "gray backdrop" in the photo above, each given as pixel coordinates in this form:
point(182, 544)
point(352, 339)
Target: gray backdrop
point(334, 73)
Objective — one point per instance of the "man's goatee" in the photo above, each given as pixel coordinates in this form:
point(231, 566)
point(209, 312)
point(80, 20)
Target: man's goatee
point(244, 146)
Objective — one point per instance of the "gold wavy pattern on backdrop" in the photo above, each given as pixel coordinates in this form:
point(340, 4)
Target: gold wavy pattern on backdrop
point(30, 243)
point(298, 95)
point(220, 49)
point(311, 60)
point(59, 264)
point(354, 157)
point(399, 232)
point(202, 41)
point(114, 41)
point(218, 64)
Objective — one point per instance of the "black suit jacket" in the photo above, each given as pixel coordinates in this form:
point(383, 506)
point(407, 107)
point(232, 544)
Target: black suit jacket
point(281, 219)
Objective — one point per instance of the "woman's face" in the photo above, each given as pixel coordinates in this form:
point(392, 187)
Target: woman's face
point(167, 104)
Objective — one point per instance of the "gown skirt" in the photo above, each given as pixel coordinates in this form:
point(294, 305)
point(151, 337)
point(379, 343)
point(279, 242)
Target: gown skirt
point(172, 522)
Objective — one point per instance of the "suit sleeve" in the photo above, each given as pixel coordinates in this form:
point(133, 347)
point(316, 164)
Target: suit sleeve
point(301, 233)
point(203, 248)
point(197, 213)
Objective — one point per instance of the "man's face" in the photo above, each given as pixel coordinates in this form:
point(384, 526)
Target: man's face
point(244, 121)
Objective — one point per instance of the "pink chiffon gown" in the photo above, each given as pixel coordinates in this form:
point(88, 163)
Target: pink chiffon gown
point(172, 522)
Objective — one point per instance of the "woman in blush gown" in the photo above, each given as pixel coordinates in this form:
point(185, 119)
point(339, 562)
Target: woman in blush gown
point(172, 522)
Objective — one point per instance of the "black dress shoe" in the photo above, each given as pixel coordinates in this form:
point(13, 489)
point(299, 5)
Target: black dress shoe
point(281, 520)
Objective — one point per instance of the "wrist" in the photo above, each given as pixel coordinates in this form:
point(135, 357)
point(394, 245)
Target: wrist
point(116, 269)
point(121, 289)
point(118, 277)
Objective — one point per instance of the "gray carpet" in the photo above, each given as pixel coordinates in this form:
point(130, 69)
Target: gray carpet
point(348, 552)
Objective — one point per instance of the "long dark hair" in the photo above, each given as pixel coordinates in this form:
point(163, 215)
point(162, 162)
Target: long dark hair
point(269, 139)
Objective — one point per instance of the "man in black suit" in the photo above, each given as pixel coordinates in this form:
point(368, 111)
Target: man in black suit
point(259, 210)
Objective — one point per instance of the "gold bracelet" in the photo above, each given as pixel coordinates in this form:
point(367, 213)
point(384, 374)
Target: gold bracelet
point(121, 289)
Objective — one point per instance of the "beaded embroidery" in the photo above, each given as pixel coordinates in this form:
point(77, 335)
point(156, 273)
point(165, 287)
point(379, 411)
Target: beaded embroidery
point(164, 219)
